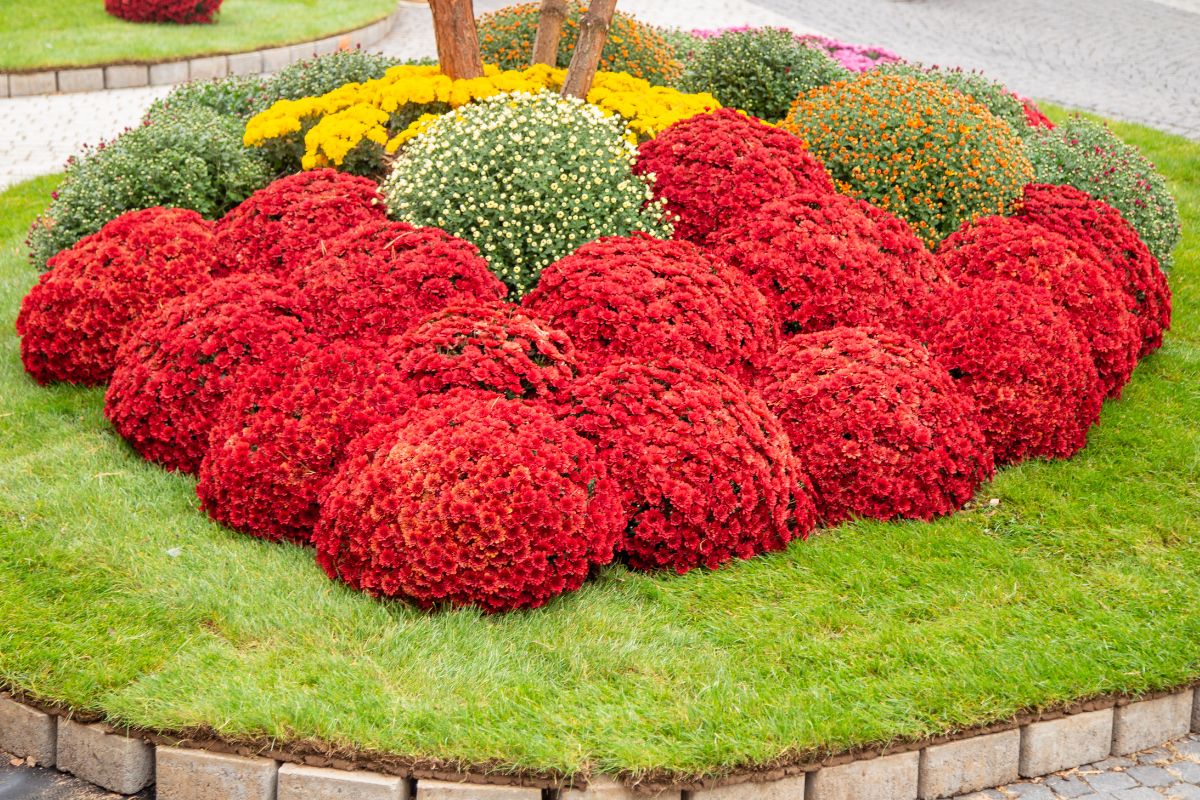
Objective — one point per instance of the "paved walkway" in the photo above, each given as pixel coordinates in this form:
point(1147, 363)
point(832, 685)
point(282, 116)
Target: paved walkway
point(1172, 771)
point(1131, 59)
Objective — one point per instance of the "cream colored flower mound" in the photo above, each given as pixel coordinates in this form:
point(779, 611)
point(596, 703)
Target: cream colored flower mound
point(527, 178)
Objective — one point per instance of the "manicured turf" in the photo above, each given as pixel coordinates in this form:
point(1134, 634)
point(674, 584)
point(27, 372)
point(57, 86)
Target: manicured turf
point(66, 33)
point(117, 595)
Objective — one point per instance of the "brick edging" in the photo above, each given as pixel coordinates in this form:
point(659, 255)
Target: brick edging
point(944, 767)
point(168, 73)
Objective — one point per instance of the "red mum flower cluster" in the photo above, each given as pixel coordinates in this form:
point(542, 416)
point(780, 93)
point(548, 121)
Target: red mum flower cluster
point(824, 259)
point(173, 374)
point(1081, 218)
point(1075, 273)
point(705, 470)
point(182, 12)
point(880, 427)
point(84, 308)
point(645, 297)
point(1033, 115)
point(285, 225)
point(469, 499)
point(1015, 352)
point(714, 168)
point(381, 277)
point(493, 347)
point(282, 434)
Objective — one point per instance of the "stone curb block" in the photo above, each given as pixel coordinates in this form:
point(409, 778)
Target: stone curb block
point(118, 763)
point(245, 64)
point(276, 58)
point(449, 790)
point(81, 80)
point(790, 788)
point(969, 765)
point(201, 775)
point(26, 732)
point(1067, 742)
point(1195, 711)
point(300, 782)
point(170, 73)
point(32, 83)
point(3, 86)
point(885, 778)
point(602, 789)
point(203, 69)
point(127, 76)
point(1148, 723)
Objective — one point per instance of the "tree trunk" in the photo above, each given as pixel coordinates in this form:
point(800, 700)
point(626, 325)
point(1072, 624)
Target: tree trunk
point(593, 33)
point(549, 31)
point(457, 41)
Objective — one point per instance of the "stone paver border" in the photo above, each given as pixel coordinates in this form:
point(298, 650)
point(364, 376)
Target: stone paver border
point(166, 73)
point(936, 768)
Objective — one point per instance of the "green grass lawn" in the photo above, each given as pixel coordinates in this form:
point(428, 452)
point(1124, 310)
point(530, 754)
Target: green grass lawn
point(118, 596)
point(70, 33)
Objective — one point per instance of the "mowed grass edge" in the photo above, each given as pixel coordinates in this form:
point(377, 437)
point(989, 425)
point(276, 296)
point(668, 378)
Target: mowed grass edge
point(78, 33)
point(117, 596)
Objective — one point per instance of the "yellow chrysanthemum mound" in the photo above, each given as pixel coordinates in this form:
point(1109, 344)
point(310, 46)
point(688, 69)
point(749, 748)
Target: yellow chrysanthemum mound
point(352, 126)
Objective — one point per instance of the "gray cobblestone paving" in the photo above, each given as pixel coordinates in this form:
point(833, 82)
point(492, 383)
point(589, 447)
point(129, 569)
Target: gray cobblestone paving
point(1132, 59)
point(1171, 771)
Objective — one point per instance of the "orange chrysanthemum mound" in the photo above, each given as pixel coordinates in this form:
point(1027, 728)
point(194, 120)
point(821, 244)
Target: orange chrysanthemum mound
point(914, 147)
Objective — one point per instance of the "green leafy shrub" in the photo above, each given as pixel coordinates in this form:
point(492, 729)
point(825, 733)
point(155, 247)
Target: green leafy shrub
point(983, 90)
point(1090, 157)
point(322, 74)
point(913, 146)
point(506, 38)
point(526, 178)
point(186, 157)
point(759, 71)
point(236, 96)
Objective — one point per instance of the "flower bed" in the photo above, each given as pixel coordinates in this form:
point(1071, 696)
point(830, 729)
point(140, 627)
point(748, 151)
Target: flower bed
point(664, 399)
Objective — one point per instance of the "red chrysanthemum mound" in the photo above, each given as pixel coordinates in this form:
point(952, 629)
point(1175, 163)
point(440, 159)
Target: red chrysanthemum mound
point(178, 366)
point(1080, 217)
point(382, 277)
point(81, 311)
point(879, 425)
point(493, 347)
point(1075, 273)
point(282, 435)
point(645, 297)
point(182, 12)
point(288, 223)
point(469, 499)
point(1015, 352)
point(714, 168)
point(824, 259)
point(705, 470)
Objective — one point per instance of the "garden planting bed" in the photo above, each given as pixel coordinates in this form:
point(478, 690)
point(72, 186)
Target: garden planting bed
point(812, 574)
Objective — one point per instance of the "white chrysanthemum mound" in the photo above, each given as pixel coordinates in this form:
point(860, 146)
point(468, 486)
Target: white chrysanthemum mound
point(527, 178)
